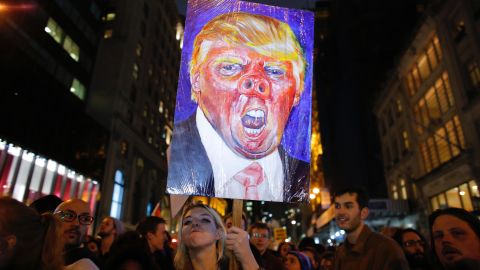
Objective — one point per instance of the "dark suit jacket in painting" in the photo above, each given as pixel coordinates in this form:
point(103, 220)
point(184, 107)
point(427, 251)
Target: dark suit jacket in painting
point(190, 171)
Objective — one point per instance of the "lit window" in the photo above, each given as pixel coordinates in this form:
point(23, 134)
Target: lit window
point(394, 191)
point(399, 106)
point(406, 142)
point(160, 107)
point(124, 148)
point(474, 73)
point(403, 189)
point(434, 203)
point(453, 198)
point(110, 16)
point(423, 66)
point(135, 71)
point(108, 33)
point(168, 138)
point(465, 197)
point(54, 30)
point(145, 110)
point(117, 198)
point(139, 49)
point(78, 89)
point(72, 48)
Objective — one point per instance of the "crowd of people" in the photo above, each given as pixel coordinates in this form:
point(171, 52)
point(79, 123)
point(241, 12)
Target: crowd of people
point(51, 237)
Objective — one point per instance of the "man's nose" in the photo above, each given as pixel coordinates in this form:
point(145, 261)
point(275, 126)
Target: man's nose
point(254, 84)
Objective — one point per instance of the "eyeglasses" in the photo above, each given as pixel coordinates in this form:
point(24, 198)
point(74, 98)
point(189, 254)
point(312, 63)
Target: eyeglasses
point(69, 216)
point(259, 235)
point(411, 243)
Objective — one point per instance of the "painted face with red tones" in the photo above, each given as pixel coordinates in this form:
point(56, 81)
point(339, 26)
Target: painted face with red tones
point(246, 96)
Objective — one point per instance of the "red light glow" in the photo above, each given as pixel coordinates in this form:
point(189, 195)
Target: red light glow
point(18, 7)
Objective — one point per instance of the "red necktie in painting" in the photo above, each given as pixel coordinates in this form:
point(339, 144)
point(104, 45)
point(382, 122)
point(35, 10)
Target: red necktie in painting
point(250, 178)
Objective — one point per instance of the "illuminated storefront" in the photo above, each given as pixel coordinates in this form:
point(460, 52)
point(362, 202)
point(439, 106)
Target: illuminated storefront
point(27, 176)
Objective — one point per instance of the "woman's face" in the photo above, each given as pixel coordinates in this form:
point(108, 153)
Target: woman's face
point(292, 262)
point(199, 229)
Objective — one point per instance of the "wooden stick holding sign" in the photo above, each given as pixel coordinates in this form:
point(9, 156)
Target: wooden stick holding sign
point(237, 222)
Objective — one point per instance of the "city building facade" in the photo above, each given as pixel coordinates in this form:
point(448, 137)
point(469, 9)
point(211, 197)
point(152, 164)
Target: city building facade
point(428, 114)
point(48, 143)
point(133, 96)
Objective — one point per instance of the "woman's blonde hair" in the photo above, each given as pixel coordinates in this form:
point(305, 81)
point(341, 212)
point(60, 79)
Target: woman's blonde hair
point(182, 258)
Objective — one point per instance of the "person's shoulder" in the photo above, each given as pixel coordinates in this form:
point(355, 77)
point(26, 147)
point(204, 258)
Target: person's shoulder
point(82, 264)
point(381, 241)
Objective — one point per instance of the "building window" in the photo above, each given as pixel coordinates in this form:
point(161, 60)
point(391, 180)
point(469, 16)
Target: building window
point(54, 30)
point(444, 144)
point(135, 71)
point(117, 198)
point(394, 191)
point(78, 89)
point(139, 50)
point(434, 104)
point(123, 148)
point(145, 111)
point(423, 67)
point(474, 73)
point(108, 33)
point(72, 48)
point(110, 16)
point(458, 30)
point(464, 196)
point(406, 142)
point(403, 189)
point(399, 106)
point(160, 107)
point(57, 33)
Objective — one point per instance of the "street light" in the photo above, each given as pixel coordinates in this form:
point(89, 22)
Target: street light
point(312, 196)
point(316, 190)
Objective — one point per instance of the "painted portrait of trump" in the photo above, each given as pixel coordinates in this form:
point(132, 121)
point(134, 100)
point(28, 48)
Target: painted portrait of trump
point(243, 131)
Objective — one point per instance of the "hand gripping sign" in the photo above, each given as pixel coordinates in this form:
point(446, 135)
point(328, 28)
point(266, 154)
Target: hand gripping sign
point(243, 111)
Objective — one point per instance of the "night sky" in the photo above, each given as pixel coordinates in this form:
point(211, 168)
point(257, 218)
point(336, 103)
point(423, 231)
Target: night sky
point(366, 38)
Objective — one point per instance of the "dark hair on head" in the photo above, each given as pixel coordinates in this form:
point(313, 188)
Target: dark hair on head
point(39, 237)
point(149, 225)
point(362, 195)
point(229, 215)
point(291, 245)
point(129, 247)
point(328, 255)
point(398, 235)
point(460, 213)
point(46, 204)
point(260, 225)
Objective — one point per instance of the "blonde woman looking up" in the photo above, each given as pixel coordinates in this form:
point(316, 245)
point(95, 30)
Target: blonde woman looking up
point(203, 241)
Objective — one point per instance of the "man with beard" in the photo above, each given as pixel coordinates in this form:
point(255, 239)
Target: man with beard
point(456, 238)
point(110, 229)
point(363, 248)
point(247, 74)
point(415, 248)
point(75, 218)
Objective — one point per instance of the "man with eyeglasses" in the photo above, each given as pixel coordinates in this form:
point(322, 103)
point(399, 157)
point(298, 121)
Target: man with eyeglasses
point(415, 248)
point(75, 218)
point(260, 239)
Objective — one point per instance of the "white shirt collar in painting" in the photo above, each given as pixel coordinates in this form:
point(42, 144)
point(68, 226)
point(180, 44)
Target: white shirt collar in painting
point(225, 164)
